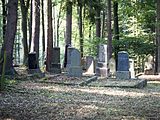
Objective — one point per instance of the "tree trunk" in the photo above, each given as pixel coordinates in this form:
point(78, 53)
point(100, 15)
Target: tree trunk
point(98, 23)
point(80, 26)
point(109, 31)
point(158, 36)
point(24, 11)
point(43, 27)
point(58, 23)
point(4, 12)
point(68, 35)
point(30, 26)
point(49, 37)
point(116, 29)
point(10, 35)
point(35, 28)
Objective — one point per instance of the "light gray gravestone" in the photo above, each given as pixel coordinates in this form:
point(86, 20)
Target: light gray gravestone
point(101, 68)
point(69, 50)
point(131, 68)
point(112, 67)
point(75, 69)
point(123, 66)
point(90, 65)
point(56, 66)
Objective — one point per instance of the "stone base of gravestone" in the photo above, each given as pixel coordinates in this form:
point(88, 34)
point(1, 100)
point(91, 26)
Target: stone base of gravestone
point(123, 75)
point(102, 72)
point(56, 68)
point(75, 71)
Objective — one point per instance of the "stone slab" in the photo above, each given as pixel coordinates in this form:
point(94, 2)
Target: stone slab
point(123, 75)
point(132, 83)
point(75, 71)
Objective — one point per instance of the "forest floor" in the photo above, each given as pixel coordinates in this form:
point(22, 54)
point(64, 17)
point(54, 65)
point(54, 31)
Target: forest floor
point(28, 99)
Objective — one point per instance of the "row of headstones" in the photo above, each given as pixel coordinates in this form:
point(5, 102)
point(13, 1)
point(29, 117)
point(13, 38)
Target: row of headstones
point(74, 67)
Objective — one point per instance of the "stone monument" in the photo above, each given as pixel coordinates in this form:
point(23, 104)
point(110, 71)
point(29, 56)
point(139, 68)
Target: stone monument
point(56, 66)
point(69, 50)
point(131, 68)
point(101, 69)
point(123, 66)
point(32, 61)
point(89, 65)
point(75, 69)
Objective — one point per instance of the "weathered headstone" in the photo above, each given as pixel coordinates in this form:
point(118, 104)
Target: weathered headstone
point(123, 66)
point(112, 67)
point(75, 69)
point(90, 65)
point(101, 69)
point(56, 66)
point(131, 68)
point(149, 66)
point(32, 61)
point(69, 50)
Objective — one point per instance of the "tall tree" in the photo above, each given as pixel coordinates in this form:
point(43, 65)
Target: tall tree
point(98, 21)
point(68, 34)
point(4, 12)
point(116, 27)
point(10, 34)
point(109, 20)
point(80, 6)
point(49, 36)
point(35, 27)
point(158, 36)
point(24, 11)
point(43, 27)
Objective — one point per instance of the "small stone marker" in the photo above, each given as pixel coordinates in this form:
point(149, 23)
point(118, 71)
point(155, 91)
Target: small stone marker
point(56, 66)
point(131, 68)
point(112, 67)
point(90, 65)
point(123, 66)
point(32, 61)
point(101, 69)
point(75, 69)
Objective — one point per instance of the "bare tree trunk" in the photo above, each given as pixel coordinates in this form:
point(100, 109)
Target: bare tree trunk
point(68, 29)
point(10, 33)
point(80, 26)
point(103, 24)
point(109, 31)
point(24, 11)
point(4, 12)
point(116, 28)
point(158, 36)
point(58, 23)
point(30, 26)
point(49, 37)
point(98, 23)
point(43, 28)
point(35, 28)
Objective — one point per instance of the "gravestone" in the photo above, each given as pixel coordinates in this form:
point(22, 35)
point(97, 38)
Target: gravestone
point(69, 50)
point(149, 66)
point(90, 65)
point(65, 55)
point(123, 66)
point(32, 61)
point(75, 69)
point(131, 68)
point(101, 68)
point(56, 66)
point(112, 67)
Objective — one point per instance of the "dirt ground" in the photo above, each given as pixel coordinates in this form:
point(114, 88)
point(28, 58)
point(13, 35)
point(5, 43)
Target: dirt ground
point(33, 100)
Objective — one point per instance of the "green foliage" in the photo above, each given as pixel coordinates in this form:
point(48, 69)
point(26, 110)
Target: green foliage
point(135, 46)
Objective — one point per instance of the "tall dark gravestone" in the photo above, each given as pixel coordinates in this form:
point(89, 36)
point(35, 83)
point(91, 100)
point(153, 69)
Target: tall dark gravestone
point(123, 66)
point(32, 61)
point(56, 66)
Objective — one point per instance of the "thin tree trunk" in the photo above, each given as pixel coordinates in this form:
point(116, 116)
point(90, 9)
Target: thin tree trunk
point(116, 29)
point(10, 35)
point(30, 26)
point(158, 37)
point(43, 27)
point(109, 31)
point(35, 28)
point(80, 26)
point(98, 23)
point(68, 35)
point(49, 37)
point(4, 12)
point(103, 24)
point(24, 11)
point(58, 23)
